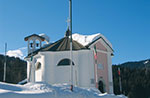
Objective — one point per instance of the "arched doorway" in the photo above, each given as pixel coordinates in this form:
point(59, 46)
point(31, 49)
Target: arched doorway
point(101, 86)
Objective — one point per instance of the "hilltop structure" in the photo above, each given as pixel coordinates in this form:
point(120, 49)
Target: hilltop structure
point(92, 61)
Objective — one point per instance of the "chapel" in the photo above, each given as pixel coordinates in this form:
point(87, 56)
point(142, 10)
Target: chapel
point(91, 60)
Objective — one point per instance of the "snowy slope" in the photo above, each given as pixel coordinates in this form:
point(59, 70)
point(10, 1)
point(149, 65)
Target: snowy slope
point(86, 39)
point(147, 61)
point(43, 90)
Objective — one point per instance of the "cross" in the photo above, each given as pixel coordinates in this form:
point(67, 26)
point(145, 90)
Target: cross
point(68, 22)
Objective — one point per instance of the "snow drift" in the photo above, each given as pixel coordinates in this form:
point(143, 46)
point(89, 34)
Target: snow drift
point(44, 90)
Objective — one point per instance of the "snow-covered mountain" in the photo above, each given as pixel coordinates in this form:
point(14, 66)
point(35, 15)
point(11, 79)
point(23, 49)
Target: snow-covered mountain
point(146, 62)
point(44, 90)
point(137, 64)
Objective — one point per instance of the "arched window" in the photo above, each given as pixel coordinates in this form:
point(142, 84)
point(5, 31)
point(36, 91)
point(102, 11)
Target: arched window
point(37, 42)
point(65, 62)
point(38, 66)
point(31, 44)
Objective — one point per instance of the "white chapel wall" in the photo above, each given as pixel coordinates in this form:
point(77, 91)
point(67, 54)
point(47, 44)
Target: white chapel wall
point(83, 69)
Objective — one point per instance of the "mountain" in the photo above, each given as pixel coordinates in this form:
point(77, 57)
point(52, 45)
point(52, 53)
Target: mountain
point(137, 64)
point(15, 70)
point(135, 78)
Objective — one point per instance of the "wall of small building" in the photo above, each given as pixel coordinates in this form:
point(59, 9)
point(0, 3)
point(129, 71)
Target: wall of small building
point(83, 70)
point(38, 72)
point(28, 70)
point(110, 78)
point(104, 70)
point(103, 73)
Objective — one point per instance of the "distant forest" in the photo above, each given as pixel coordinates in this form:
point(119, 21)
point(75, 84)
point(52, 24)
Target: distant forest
point(16, 69)
point(135, 76)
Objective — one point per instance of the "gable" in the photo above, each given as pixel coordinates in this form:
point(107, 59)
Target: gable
point(101, 44)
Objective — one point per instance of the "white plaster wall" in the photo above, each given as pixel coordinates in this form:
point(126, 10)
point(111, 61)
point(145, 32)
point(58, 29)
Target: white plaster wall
point(38, 73)
point(49, 71)
point(110, 79)
point(28, 70)
point(32, 75)
point(86, 69)
point(83, 71)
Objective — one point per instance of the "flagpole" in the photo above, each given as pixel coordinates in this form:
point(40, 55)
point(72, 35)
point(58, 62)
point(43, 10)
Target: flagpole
point(70, 16)
point(96, 73)
point(119, 80)
point(4, 77)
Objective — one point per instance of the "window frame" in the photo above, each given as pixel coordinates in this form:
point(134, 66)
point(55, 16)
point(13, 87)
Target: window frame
point(37, 64)
point(65, 62)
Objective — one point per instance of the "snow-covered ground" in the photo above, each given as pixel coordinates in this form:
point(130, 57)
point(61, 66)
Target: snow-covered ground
point(44, 90)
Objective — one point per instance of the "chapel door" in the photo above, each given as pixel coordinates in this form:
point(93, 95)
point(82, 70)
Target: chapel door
point(101, 86)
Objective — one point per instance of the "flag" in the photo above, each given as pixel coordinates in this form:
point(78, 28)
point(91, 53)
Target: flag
point(120, 84)
point(95, 56)
point(118, 71)
point(95, 53)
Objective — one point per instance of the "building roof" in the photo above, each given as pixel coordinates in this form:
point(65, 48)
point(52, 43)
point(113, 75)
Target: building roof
point(64, 45)
point(60, 45)
point(26, 38)
point(88, 40)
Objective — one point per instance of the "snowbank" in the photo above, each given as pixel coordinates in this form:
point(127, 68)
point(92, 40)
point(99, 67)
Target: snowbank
point(43, 90)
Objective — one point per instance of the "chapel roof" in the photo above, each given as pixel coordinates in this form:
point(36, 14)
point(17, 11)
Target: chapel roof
point(64, 45)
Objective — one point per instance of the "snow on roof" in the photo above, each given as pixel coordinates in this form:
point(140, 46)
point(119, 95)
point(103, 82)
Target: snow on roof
point(44, 90)
point(87, 39)
point(45, 36)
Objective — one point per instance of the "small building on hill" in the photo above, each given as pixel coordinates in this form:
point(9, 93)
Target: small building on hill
point(91, 60)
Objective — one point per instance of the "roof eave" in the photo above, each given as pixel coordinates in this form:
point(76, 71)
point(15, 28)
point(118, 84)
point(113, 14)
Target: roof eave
point(26, 38)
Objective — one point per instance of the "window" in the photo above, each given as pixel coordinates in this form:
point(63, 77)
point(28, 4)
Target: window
point(100, 66)
point(37, 44)
point(31, 44)
point(92, 81)
point(65, 62)
point(38, 66)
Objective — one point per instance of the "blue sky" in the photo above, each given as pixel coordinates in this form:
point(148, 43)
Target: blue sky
point(125, 23)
